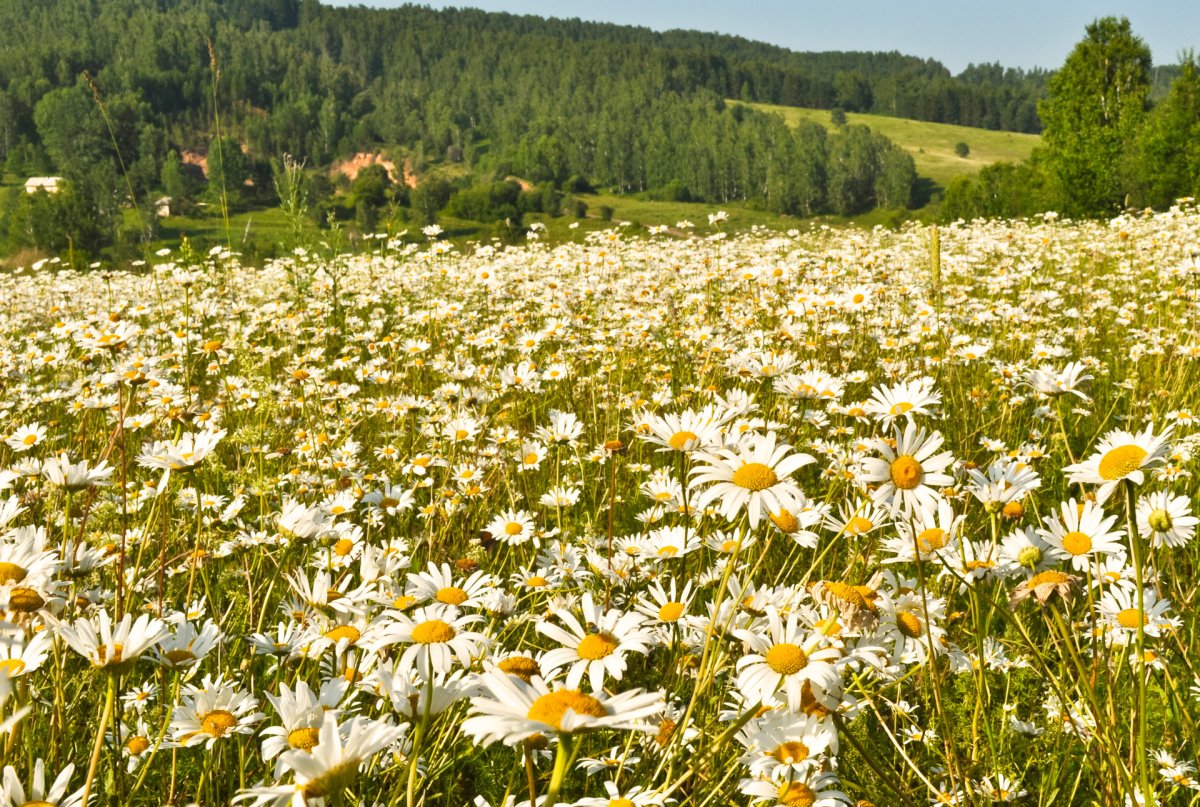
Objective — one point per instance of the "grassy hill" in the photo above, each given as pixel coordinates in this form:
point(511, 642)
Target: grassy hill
point(931, 144)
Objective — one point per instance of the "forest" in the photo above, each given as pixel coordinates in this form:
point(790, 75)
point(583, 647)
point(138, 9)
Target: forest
point(109, 95)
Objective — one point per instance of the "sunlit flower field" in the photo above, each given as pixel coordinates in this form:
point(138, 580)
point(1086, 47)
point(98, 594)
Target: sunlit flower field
point(808, 519)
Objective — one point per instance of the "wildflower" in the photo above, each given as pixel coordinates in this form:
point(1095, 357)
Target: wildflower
point(1121, 455)
point(754, 477)
point(511, 709)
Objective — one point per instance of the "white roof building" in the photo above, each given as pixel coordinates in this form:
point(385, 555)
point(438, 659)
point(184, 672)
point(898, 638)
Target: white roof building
point(48, 184)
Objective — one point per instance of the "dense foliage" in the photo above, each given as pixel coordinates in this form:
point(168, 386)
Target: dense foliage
point(1105, 145)
point(619, 106)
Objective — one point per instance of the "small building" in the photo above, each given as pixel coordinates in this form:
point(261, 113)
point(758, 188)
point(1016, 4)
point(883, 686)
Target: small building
point(162, 207)
point(47, 184)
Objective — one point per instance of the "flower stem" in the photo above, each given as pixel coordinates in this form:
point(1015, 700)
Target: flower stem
point(109, 698)
point(562, 756)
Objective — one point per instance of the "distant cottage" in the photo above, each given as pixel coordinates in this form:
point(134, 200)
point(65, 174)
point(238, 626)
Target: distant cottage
point(47, 184)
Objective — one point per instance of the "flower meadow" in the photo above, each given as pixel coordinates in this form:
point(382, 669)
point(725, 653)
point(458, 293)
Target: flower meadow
point(840, 517)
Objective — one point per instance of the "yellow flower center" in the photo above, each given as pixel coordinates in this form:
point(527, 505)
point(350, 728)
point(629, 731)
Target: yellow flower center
point(218, 722)
point(1160, 520)
point(797, 794)
point(908, 623)
point(12, 666)
point(521, 666)
point(680, 440)
point(434, 631)
point(1013, 510)
point(341, 632)
point(11, 573)
point(179, 656)
point(451, 595)
point(1029, 557)
point(1049, 577)
point(30, 439)
point(537, 581)
point(1077, 543)
point(906, 472)
point(754, 476)
point(785, 521)
point(115, 658)
point(1120, 462)
point(670, 612)
point(791, 752)
point(305, 738)
point(137, 745)
point(596, 646)
point(343, 547)
point(552, 707)
point(1130, 617)
point(530, 459)
point(621, 803)
point(513, 528)
point(854, 596)
point(901, 408)
point(859, 525)
point(786, 658)
point(931, 540)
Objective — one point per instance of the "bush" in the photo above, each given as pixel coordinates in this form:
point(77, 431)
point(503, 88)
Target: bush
point(962, 149)
point(579, 209)
point(606, 212)
point(838, 116)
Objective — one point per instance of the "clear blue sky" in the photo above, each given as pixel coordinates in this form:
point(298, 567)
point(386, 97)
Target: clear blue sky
point(1024, 33)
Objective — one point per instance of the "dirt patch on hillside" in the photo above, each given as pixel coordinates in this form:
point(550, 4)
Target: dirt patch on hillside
point(363, 159)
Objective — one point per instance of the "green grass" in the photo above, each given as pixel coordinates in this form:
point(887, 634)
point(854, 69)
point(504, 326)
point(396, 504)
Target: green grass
point(930, 144)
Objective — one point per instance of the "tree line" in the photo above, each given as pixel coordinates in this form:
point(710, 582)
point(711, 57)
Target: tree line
point(111, 94)
point(1107, 143)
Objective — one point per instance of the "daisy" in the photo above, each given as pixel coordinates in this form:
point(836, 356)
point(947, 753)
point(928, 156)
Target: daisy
point(753, 475)
point(929, 534)
point(14, 794)
point(332, 764)
point(1165, 519)
point(511, 709)
point(214, 710)
point(301, 713)
point(188, 646)
point(437, 583)
point(1121, 455)
point(906, 399)
point(511, 527)
point(76, 476)
point(1077, 532)
point(1053, 383)
point(786, 658)
point(1119, 610)
point(107, 645)
point(909, 624)
point(910, 475)
point(781, 744)
point(665, 606)
point(1005, 484)
point(435, 635)
point(23, 438)
point(811, 789)
point(597, 646)
point(636, 796)
point(687, 431)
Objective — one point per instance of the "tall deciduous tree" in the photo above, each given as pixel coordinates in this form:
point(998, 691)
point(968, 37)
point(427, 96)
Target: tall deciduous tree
point(1094, 106)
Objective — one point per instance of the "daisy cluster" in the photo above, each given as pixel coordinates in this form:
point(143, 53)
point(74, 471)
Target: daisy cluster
point(813, 519)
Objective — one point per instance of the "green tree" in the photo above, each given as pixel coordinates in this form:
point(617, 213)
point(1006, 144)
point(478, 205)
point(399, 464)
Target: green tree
point(1093, 108)
point(178, 183)
point(228, 170)
point(1164, 161)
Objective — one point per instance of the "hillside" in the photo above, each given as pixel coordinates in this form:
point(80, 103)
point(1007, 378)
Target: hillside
point(930, 144)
